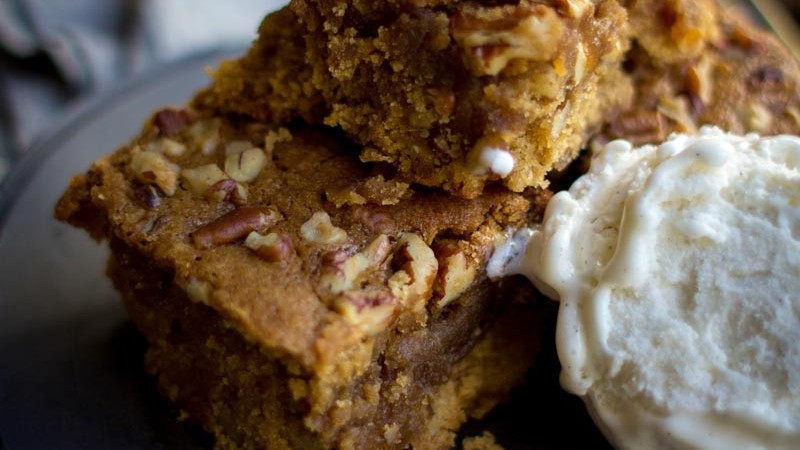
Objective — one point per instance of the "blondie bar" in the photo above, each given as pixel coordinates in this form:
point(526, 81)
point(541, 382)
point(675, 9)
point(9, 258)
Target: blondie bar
point(454, 94)
point(293, 297)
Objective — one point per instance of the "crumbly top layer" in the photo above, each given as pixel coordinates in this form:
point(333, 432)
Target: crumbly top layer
point(458, 94)
point(437, 88)
point(285, 234)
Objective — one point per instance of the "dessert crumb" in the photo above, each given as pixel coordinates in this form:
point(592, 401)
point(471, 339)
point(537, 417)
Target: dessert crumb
point(483, 442)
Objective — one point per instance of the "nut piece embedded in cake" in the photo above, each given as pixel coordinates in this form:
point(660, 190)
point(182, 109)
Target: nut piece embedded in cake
point(456, 273)
point(169, 121)
point(490, 44)
point(340, 272)
point(235, 225)
point(370, 310)
point(319, 230)
point(244, 166)
point(154, 168)
point(415, 269)
point(272, 247)
point(167, 146)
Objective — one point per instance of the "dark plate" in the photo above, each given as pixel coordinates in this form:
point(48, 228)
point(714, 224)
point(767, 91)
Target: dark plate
point(70, 373)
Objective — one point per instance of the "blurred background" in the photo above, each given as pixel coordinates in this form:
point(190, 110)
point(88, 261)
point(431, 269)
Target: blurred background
point(54, 53)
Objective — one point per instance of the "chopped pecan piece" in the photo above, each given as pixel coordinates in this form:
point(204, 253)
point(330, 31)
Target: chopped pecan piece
point(222, 190)
point(244, 166)
point(235, 225)
point(341, 272)
point(699, 82)
point(416, 268)
point(210, 181)
point(170, 120)
point(320, 230)
point(757, 117)
point(520, 33)
point(456, 273)
point(640, 127)
point(272, 247)
point(371, 310)
point(677, 109)
point(206, 135)
point(199, 179)
point(153, 168)
point(148, 195)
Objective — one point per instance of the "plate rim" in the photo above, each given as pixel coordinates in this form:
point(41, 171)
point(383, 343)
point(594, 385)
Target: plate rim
point(82, 110)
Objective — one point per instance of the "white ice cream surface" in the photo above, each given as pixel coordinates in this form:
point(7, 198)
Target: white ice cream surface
point(678, 272)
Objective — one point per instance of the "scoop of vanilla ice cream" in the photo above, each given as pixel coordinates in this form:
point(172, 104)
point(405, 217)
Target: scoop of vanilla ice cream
point(677, 268)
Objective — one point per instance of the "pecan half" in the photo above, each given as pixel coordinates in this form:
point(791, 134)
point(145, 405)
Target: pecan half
point(234, 226)
point(199, 179)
